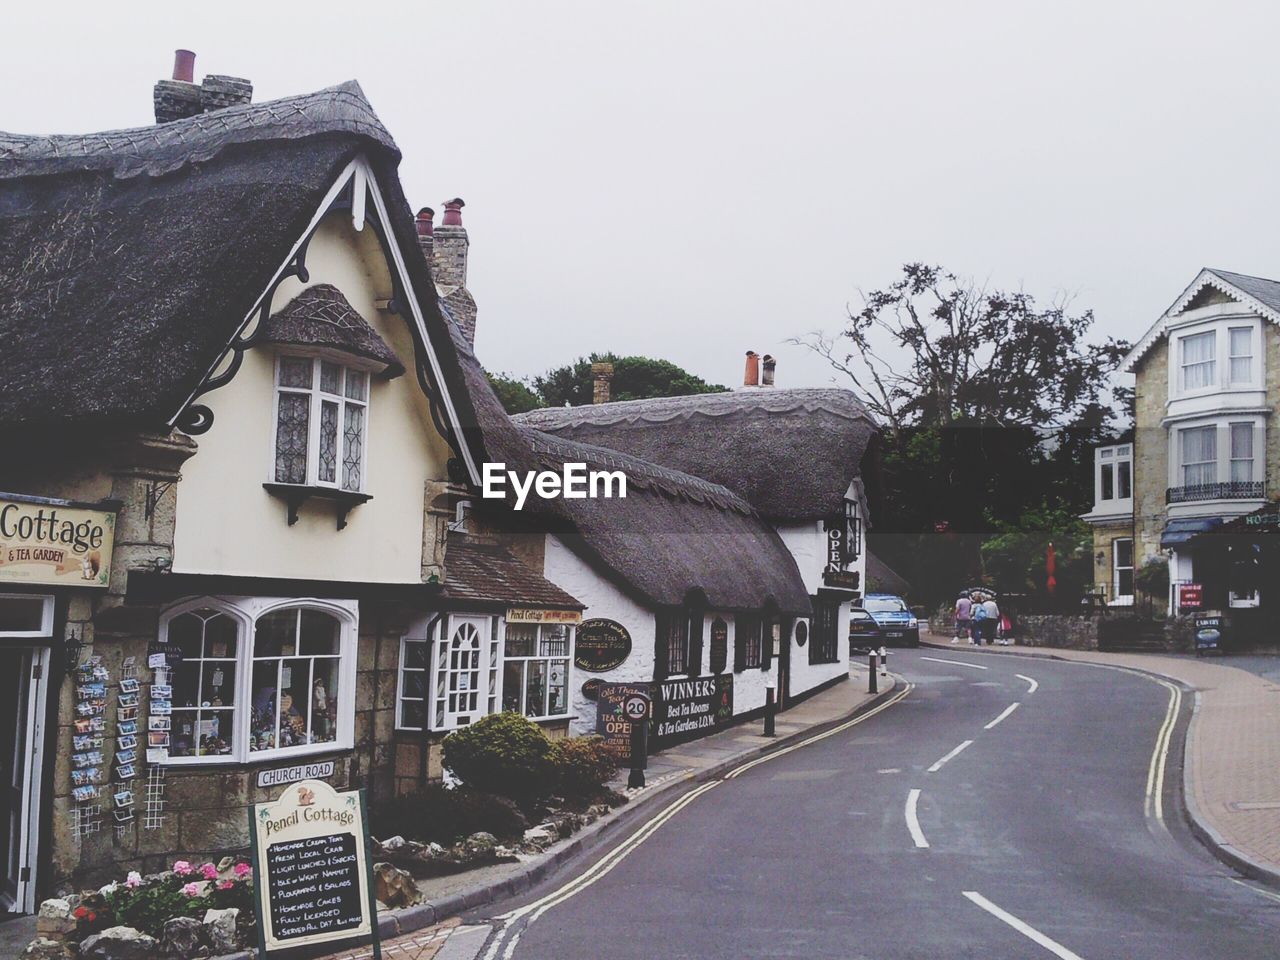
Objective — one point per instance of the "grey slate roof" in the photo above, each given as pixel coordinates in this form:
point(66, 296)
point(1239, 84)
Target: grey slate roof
point(791, 454)
point(881, 578)
point(1260, 288)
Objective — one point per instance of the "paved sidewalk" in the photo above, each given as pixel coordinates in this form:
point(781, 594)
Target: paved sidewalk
point(703, 757)
point(1232, 761)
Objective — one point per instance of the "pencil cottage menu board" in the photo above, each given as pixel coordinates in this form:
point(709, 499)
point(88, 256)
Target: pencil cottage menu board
point(311, 867)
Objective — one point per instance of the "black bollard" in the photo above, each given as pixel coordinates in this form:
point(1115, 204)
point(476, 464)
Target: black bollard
point(770, 711)
point(639, 753)
point(871, 673)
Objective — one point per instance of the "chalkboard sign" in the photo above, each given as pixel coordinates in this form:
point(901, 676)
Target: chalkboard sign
point(311, 868)
point(601, 645)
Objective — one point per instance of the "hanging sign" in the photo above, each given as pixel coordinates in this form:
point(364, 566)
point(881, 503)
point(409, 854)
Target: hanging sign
point(601, 645)
point(535, 615)
point(837, 529)
point(53, 542)
point(312, 879)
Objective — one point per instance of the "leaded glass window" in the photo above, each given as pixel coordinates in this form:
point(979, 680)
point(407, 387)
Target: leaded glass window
point(320, 423)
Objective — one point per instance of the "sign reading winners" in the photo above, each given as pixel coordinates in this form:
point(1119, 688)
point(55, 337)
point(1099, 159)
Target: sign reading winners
point(311, 868)
point(55, 542)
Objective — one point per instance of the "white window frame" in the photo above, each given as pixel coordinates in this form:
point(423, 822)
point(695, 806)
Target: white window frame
point(318, 397)
point(547, 659)
point(1232, 459)
point(1222, 425)
point(1117, 569)
point(489, 691)
point(1232, 357)
point(46, 615)
point(1115, 457)
point(247, 611)
point(1182, 464)
point(1210, 336)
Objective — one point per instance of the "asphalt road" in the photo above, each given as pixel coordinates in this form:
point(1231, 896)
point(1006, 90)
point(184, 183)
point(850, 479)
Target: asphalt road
point(1042, 840)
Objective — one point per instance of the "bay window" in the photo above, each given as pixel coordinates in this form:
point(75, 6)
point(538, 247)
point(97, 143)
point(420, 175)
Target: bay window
point(258, 679)
point(451, 677)
point(320, 424)
point(1197, 360)
point(535, 671)
point(1240, 355)
point(1198, 455)
point(1241, 452)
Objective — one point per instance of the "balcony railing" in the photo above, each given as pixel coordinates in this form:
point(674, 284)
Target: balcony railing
point(1234, 490)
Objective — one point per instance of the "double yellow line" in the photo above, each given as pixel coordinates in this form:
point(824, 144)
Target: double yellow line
point(532, 911)
point(1160, 754)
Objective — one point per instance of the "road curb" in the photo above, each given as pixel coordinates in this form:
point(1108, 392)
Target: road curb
point(1200, 828)
point(410, 919)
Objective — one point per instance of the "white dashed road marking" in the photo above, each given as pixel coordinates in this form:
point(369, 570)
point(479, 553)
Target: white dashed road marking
point(950, 756)
point(1028, 931)
point(913, 821)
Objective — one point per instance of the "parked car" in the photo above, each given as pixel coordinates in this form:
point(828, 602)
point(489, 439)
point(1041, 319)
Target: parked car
point(864, 632)
point(895, 623)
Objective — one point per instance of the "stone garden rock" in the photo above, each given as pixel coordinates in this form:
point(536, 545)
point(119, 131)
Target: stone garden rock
point(393, 886)
point(541, 836)
point(118, 943)
point(183, 938)
point(42, 948)
point(394, 843)
point(54, 921)
point(220, 928)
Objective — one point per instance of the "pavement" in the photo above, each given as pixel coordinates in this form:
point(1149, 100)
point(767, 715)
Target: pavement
point(1232, 760)
point(668, 772)
point(996, 807)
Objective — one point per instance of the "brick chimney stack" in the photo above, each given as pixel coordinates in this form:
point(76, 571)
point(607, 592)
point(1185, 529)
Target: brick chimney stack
point(449, 267)
point(767, 367)
point(751, 376)
point(181, 97)
point(601, 376)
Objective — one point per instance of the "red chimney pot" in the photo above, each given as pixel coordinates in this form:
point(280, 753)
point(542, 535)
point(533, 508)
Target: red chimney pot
point(184, 65)
point(423, 221)
point(751, 377)
point(453, 212)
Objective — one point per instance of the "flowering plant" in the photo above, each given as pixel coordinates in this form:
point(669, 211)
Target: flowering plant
point(188, 890)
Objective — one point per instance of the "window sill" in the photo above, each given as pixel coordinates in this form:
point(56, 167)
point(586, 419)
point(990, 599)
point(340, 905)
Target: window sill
point(296, 494)
point(258, 760)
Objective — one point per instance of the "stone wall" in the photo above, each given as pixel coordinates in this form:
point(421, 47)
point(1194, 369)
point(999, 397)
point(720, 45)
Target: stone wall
point(1151, 452)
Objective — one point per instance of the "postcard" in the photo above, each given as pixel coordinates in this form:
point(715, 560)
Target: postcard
point(158, 739)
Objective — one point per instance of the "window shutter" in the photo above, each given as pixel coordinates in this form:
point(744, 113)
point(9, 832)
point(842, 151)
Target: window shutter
point(766, 641)
point(742, 625)
point(662, 622)
point(695, 642)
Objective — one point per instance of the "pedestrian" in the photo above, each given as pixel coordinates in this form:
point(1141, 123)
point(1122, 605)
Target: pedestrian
point(1006, 630)
point(979, 615)
point(991, 617)
point(964, 611)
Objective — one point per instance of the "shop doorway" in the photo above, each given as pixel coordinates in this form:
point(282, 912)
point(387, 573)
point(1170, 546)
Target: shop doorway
point(23, 679)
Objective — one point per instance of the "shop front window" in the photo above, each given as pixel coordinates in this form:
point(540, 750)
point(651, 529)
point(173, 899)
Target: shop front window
point(250, 681)
point(535, 672)
point(451, 678)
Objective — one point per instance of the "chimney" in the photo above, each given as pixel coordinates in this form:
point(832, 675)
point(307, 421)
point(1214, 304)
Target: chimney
point(601, 375)
point(182, 97)
point(423, 223)
point(218, 91)
point(751, 378)
point(767, 365)
point(449, 245)
point(178, 98)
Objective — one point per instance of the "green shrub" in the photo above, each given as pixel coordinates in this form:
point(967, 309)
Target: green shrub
point(503, 753)
point(437, 814)
point(583, 766)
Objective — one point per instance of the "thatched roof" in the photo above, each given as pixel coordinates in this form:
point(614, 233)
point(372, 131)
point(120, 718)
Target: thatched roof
point(129, 259)
point(488, 573)
point(320, 316)
point(791, 454)
point(673, 533)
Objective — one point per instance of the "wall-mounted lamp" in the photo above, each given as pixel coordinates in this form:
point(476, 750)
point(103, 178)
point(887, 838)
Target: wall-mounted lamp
point(72, 646)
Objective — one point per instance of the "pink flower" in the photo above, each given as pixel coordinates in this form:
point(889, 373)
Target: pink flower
point(133, 880)
point(242, 870)
point(182, 867)
point(190, 890)
point(209, 871)
point(226, 884)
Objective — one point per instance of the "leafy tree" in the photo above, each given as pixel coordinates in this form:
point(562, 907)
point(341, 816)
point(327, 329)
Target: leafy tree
point(634, 378)
point(993, 405)
point(514, 395)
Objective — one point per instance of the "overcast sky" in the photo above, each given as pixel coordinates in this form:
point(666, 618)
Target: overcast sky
point(692, 179)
